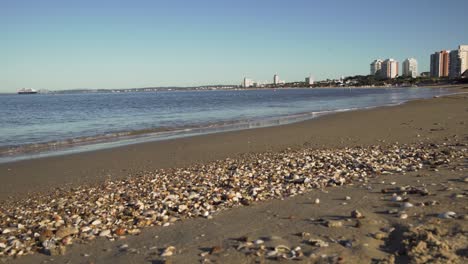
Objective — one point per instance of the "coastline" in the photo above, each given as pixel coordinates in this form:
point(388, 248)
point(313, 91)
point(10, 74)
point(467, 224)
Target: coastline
point(380, 149)
point(118, 138)
point(337, 130)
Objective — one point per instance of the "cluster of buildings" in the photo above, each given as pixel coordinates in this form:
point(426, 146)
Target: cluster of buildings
point(389, 68)
point(449, 63)
point(246, 83)
point(444, 63)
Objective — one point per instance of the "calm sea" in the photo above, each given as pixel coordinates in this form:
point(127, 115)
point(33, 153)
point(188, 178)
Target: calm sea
point(50, 124)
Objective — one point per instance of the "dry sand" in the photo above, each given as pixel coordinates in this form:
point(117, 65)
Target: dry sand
point(436, 120)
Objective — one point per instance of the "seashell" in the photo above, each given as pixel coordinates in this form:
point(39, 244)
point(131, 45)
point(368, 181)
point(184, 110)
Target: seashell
point(346, 243)
point(215, 250)
point(120, 231)
point(85, 229)
point(67, 240)
point(379, 236)
point(169, 251)
point(45, 234)
point(259, 242)
point(149, 213)
point(406, 205)
point(156, 198)
point(182, 208)
point(96, 222)
point(333, 223)
point(65, 231)
point(403, 215)
point(356, 214)
point(244, 245)
point(134, 231)
point(317, 243)
point(447, 215)
point(105, 233)
point(123, 246)
point(282, 249)
point(7, 231)
point(272, 254)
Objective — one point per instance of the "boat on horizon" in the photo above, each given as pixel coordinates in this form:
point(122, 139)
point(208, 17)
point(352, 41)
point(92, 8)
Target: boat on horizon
point(27, 91)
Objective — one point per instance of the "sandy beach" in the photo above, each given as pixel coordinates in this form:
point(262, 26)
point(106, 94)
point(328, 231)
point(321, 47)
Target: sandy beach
point(403, 182)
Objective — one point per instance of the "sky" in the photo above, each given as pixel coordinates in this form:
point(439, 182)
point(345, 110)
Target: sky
point(60, 44)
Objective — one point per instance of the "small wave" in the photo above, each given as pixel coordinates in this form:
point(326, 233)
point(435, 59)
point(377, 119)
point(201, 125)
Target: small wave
point(115, 139)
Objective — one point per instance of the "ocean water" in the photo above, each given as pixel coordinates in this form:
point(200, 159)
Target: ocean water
point(52, 124)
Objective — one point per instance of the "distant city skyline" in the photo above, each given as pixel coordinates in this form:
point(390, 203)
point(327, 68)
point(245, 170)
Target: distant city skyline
point(60, 45)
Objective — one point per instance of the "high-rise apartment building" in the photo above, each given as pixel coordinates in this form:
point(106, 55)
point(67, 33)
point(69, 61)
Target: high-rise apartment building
point(276, 79)
point(440, 62)
point(458, 61)
point(463, 55)
point(247, 83)
point(410, 68)
point(375, 66)
point(389, 69)
point(309, 80)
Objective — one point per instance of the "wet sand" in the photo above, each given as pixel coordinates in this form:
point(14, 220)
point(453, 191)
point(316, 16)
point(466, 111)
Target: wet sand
point(292, 221)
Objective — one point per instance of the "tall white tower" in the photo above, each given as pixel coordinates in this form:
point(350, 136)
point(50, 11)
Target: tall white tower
point(389, 69)
point(410, 68)
point(276, 79)
point(375, 66)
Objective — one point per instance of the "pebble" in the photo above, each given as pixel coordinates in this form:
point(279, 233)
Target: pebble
point(347, 198)
point(396, 199)
point(403, 216)
point(317, 201)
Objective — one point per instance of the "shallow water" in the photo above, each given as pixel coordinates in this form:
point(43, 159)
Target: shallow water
point(50, 124)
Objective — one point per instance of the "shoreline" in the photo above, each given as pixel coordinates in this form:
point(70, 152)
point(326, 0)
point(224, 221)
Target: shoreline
point(259, 88)
point(123, 138)
point(337, 130)
point(315, 191)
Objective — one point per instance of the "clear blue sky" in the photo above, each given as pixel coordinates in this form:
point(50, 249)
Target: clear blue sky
point(58, 44)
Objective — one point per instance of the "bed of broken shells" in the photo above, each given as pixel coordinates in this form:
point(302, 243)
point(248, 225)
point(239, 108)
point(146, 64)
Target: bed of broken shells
point(48, 223)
